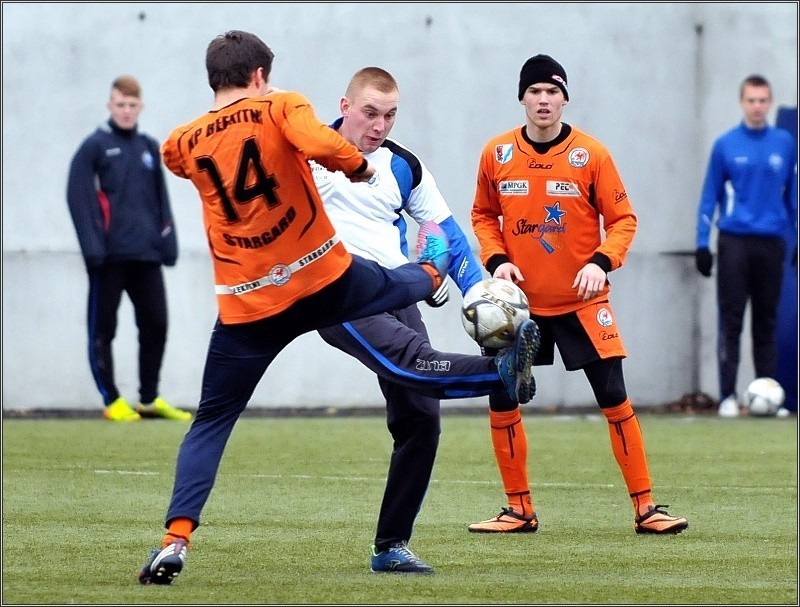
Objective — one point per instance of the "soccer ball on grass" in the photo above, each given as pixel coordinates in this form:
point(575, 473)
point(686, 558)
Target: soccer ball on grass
point(763, 397)
point(491, 311)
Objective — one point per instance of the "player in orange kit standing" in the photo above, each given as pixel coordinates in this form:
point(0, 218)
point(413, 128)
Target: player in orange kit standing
point(557, 190)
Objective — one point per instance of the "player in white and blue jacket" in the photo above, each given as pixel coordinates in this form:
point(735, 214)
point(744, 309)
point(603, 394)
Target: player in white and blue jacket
point(751, 189)
point(371, 220)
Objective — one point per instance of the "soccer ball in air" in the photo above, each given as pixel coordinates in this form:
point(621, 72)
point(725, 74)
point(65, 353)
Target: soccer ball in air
point(491, 311)
point(763, 397)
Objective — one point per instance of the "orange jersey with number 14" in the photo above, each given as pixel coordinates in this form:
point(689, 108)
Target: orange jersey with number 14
point(271, 241)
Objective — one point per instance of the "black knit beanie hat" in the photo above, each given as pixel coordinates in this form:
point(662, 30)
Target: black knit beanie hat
point(542, 68)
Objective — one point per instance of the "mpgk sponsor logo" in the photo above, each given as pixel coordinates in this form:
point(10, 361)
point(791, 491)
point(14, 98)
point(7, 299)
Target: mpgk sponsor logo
point(514, 187)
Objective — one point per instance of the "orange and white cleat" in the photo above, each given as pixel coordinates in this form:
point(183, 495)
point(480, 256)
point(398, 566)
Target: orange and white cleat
point(508, 521)
point(657, 520)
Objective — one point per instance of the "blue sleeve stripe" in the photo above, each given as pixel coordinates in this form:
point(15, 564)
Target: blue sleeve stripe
point(452, 383)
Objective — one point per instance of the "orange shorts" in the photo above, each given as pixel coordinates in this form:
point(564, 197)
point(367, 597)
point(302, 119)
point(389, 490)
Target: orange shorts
point(582, 337)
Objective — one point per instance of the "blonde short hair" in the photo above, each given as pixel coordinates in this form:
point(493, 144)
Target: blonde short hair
point(376, 77)
point(128, 86)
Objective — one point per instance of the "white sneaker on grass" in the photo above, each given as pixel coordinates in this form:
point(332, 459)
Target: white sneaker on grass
point(729, 407)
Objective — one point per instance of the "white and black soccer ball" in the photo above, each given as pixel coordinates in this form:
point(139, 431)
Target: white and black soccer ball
point(763, 397)
point(491, 311)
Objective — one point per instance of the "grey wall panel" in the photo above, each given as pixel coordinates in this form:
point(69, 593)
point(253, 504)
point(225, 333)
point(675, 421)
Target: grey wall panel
point(657, 82)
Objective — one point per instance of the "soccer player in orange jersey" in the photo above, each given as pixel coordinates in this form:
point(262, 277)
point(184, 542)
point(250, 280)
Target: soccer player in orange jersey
point(279, 267)
point(546, 195)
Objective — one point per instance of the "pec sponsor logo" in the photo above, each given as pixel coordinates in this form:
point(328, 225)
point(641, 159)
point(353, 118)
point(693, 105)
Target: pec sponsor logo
point(503, 152)
point(562, 188)
point(514, 187)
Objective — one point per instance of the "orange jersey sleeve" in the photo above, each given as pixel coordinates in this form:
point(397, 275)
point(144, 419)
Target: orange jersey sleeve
point(550, 213)
point(270, 240)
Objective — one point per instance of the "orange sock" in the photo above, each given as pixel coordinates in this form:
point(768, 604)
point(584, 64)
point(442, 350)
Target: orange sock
point(179, 529)
point(511, 452)
point(628, 447)
point(431, 269)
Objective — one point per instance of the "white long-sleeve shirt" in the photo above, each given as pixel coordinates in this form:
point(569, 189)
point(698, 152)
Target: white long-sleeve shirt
point(369, 216)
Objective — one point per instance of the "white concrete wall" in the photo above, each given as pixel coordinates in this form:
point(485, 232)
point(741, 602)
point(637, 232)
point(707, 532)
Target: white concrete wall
point(656, 82)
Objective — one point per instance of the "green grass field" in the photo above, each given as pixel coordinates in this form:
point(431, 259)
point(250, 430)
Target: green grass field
point(292, 516)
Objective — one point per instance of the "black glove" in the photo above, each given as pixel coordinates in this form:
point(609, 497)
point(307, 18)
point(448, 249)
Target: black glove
point(703, 260)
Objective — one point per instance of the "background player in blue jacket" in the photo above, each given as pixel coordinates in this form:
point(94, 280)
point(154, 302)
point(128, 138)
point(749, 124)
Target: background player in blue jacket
point(751, 187)
point(120, 207)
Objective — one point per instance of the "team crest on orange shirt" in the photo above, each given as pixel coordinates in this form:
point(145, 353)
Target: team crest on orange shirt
point(503, 152)
point(579, 157)
point(280, 274)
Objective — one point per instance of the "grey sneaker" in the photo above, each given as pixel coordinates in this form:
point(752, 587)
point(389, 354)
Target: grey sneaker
point(398, 558)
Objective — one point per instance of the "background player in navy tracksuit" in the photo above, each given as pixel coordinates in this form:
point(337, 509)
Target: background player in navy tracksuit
point(751, 184)
point(118, 200)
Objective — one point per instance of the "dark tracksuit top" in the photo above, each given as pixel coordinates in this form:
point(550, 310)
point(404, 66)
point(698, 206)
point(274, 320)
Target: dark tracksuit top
point(118, 200)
